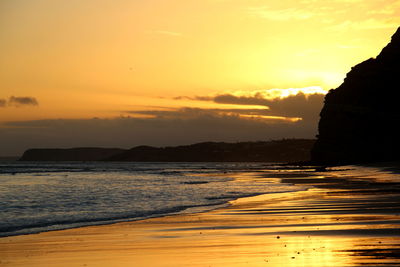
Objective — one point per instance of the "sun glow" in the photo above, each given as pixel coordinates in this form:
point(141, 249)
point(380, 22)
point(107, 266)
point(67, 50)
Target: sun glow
point(270, 118)
point(284, 93)
point(277, 93)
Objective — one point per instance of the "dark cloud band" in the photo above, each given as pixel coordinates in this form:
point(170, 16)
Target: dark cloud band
point(18, 101)
point(299, 105)
point(178, 127)
point(22, 101)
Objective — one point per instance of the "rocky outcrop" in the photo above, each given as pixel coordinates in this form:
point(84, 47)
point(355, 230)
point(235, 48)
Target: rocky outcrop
point(360, 119)
point(70, 154)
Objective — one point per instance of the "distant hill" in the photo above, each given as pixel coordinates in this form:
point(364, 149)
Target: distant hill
point(272, 151)
point(287, 150)
point(9, 158)
point(70, 154)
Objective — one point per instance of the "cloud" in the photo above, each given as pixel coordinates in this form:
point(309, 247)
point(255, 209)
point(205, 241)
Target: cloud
point(304, 103)
point(370, 15)
point(250, 116)
point(300, 105)
point(22, 101)
point(307, 107)
point(260, 114)
point(369, 24)
point(240, 100)
point(390, 10)
point(164, 128)
point(200, 98)
point(227, 99)
point(3, 103)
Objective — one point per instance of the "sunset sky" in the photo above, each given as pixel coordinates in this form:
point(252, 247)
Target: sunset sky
point(166, 72)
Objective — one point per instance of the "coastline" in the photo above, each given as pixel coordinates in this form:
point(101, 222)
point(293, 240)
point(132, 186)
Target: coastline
point(340, 221)
point(206, 188)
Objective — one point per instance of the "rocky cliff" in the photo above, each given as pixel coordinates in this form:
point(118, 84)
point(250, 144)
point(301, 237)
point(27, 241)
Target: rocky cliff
point(360, 119)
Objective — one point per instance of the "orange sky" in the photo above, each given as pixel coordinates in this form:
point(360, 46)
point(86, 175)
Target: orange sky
point(108, 58)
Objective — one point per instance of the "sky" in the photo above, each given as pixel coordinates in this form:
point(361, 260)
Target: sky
point(121, 73)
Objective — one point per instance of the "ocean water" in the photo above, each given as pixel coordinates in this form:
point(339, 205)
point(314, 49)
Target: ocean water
point(37, 197)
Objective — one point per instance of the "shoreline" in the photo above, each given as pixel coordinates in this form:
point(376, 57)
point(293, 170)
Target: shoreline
point(116, 221)
point(355, 223)
point(178, 210)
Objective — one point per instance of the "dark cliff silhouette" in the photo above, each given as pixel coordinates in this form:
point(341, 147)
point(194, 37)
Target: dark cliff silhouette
point(287, 150)
point(360, 119)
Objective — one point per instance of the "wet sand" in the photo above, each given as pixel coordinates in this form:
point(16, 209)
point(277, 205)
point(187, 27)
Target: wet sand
point(341, 221)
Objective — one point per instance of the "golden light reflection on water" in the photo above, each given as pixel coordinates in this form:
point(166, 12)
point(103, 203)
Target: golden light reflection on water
point(318, 227)
point(219, 238)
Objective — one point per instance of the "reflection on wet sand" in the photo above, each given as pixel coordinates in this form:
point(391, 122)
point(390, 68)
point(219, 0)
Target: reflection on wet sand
point(348, 217)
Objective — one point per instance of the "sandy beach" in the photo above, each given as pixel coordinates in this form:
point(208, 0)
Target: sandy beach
point(340, 221)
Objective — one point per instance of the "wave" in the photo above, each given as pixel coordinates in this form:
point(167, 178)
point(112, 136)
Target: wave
point(34, 228)
point(44, 197)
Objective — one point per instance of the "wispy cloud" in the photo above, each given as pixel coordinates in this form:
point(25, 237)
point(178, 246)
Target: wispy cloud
point(22, 101)
point(304, 103)
point(280, 14)
point(187, 113)
point(269, 94)
point(368, 24)
point(19, 101)
point(374, 14)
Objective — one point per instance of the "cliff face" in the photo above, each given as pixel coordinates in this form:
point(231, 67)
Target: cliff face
point(360, 119)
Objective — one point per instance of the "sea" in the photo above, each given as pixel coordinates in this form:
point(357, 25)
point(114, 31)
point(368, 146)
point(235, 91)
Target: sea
point(44, 196)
